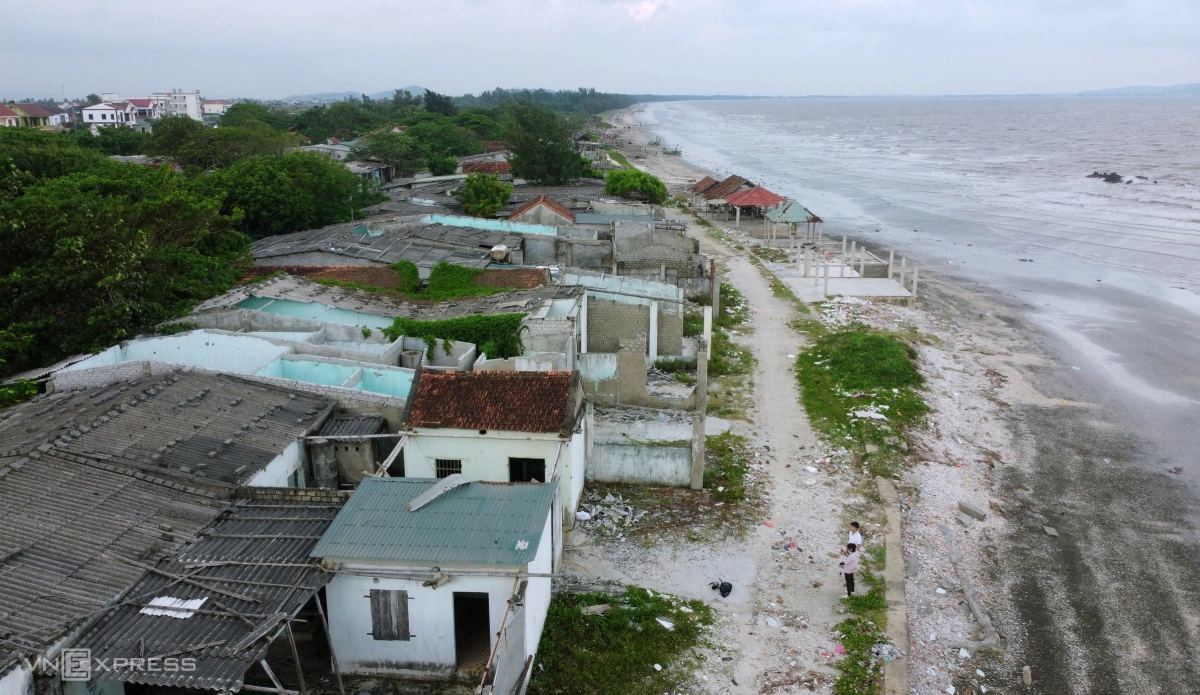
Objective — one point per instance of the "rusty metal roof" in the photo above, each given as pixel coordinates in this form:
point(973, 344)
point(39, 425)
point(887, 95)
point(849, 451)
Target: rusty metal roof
point(755, 197)
point(724, 188)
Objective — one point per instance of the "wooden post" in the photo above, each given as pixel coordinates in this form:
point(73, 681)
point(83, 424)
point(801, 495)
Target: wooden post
point(337, 671)
point(697, 482)
point(296, 657)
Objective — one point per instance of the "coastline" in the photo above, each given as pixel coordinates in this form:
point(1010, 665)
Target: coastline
point(1009, 436)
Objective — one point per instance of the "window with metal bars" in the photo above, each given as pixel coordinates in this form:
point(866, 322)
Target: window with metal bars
point(448, 467)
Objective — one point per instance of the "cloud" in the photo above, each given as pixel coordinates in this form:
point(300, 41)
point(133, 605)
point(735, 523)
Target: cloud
point(643, 10)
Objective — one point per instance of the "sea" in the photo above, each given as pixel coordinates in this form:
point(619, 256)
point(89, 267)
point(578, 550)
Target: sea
point(999, 193)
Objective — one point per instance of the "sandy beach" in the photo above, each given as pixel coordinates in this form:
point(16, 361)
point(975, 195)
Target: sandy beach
point(1104, 601)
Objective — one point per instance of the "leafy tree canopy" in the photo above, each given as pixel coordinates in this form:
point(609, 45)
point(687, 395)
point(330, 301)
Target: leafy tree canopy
point(635, 184)
point(398, 150)
point(242, 113)
point(441, 165)
point(543, 149)
point(439, 103)
point(441, 136)
point(275, 194)
point(193, 144)
point(482, 195)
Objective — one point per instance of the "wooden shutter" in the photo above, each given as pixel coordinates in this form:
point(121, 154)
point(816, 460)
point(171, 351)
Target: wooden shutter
point(389, 615)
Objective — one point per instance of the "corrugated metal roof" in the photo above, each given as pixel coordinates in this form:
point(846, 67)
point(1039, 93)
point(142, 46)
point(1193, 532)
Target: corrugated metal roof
point(353, 425)
point(724, 188)
point(257, 550)
point(480, 523)
point(792, 212)
point(702, 184)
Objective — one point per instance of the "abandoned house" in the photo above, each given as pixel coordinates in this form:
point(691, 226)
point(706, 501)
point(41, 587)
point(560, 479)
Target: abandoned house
point(431, 576)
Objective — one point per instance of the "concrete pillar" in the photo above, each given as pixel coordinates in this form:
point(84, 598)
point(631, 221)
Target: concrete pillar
point(817, 258)
point(662, 271)
point(614, 254)
point(707, 339)
point(825, 292)
point(697, 481)
point(903, 261)
point(891, 260)
point(912, 301)
point(715, 289)
point(737, 221)
point(820, 231)
point(652, 339)
point(862, 262)
point(843, 244)
point(807, 260)
point(583, 326)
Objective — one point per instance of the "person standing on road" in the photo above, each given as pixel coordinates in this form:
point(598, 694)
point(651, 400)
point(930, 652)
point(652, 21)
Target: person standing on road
point(849, 566)
point(855, 535)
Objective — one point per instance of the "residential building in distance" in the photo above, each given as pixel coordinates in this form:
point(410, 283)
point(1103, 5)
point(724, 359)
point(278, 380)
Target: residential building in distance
point(9, 118)
point(215, 107)
point(180, 103)
point(31, 115)
point(109, 113)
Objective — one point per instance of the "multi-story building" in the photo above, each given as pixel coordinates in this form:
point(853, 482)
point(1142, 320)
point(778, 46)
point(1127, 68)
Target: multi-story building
point(216, 107)
point(180, 103)
point(109, 113)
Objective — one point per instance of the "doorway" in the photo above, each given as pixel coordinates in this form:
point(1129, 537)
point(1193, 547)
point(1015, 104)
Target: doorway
point(522, 470)
point(472, 630)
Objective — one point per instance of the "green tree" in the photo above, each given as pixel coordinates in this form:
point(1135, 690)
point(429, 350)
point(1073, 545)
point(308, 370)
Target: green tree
point(92, 99)
point(29, 156)
point(543, 150)
point(484, 123)
point(441, 165)
point(170, 134)
point(482, 195)
point(243, 112)
point(402, 99)
point(276, 194)
point(635, 184)
point(398, 150)
point(94, 257)
point(121, 140)
point(439, 103)
point(438, 134)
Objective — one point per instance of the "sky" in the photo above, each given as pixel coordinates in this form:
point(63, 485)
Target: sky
point(274, 48)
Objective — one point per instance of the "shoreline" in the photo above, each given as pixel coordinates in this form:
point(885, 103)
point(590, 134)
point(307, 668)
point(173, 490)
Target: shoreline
point(1001, 412)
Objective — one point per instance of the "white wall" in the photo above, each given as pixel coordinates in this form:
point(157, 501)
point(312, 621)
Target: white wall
point(430, 650)
point(578, 462)
point(483, 456)
point(537, 593)
point(280, 468)
point(219, 351)
point(18, 681)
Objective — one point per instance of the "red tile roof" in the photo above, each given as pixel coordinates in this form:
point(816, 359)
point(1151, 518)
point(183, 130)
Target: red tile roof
point(549, 202)
point(34, 110)
point(141, 103)
point(757, 196)
point(5, 111)
point(505, 401)
point(724, 188)
point(702, 184)
point(494, 168)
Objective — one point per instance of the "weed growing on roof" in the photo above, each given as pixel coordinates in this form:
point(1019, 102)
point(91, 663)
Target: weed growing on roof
point(497, 335)
point(410, 276)
point(11, 394)
point(446, 281)
point(614, 652)
point(859, 387)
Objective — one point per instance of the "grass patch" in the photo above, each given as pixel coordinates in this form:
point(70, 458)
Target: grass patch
point(861, 370)
point(446, 281)
point(860, 671)
point(614, 653)
point(496, 335)
point(262, 278)
point(726, 463)
point(619, 157)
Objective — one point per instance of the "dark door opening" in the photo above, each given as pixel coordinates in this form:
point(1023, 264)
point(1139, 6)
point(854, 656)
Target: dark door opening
point(472, 630)
point(526, 470)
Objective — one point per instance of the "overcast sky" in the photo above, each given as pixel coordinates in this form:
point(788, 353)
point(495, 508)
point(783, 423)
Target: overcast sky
point(273, 48)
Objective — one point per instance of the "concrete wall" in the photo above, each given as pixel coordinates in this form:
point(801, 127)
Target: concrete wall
point(641, 465)
point(532, 362)
point(215, 350)
point(541, 215)
point(620, 378)
point(18, 681)
point(608, 322)
point(279, 471)
point(549, 334)
point(315, 258)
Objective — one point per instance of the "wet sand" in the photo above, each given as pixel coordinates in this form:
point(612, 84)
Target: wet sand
point(1107, 455)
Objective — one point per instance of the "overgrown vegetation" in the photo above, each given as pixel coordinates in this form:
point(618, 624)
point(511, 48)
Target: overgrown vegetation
point(543, 146)
point(496, 335)
point(16, 392)
point(446, 281)
point(727, 461)
point(635, 185)
point(615, 652)
point(481, 195)
point(859, 386)
point(94, 251)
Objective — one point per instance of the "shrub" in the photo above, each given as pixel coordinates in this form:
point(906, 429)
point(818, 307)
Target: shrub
point(410, 277)
point(499, 335)
point(635, 184)
point(482, 195)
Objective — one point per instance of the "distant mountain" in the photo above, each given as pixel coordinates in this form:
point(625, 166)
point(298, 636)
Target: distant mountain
point(1143, 91)
point(339, 96)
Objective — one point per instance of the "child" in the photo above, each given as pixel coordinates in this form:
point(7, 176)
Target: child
point(850, 566)
point(855, 534)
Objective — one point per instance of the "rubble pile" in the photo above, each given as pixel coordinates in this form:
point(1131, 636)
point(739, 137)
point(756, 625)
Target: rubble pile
point(608, 515)
point(843, 312)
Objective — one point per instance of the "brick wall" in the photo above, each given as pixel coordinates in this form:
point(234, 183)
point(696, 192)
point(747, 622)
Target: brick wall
point(610, 321)
point(292, 494)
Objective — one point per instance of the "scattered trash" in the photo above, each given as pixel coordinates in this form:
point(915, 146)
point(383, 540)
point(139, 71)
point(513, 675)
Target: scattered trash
point(983, 688)
point(963, 653)
point(950, 689)
point(1050, 531)
point(771, 622)
point(980, 673)
point(666, 623)
point(720, 488)
point(1075, 368)
point(932, 636)
point(1177, 470)
point(1027, 675)
point(582, 516)
point(940, 590)
point(839, 649)
point(597, 609)
point(522, 545)
point(811, 469)
point(769, 523)
point(868, 415)
point(658, 667)
point(722, 586)
point(608, 515)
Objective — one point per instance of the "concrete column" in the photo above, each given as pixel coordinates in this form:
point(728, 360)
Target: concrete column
point(697, 482)
point(817, 258)
point(820, 231)
point(807, 261)
point(843, 244)
point(825, 292)
point(706, 345)
point(737, 219)
point(891, 260)
point(913, 300)
point(715, 289)
point(903, 262)
point(652, 339)
point(862, 262)
point(614, 254)
point(850, 259)
point(662, 271)
point(583, 326)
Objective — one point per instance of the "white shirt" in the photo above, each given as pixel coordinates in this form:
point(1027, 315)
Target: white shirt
point(856, 539)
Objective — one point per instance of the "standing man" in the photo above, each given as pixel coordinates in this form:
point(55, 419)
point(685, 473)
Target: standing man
point(855, 536)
